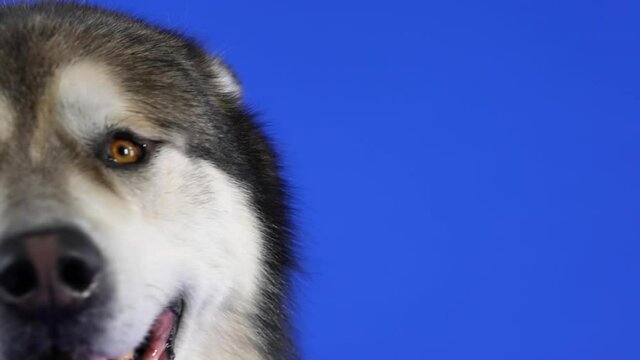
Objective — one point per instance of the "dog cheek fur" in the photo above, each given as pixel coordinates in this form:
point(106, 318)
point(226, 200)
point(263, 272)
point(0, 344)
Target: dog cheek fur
point(188, 229)
point(210, 214)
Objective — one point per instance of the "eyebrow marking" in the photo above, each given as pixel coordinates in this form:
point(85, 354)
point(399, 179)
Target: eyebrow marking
point(87, 96)
point(89, 100)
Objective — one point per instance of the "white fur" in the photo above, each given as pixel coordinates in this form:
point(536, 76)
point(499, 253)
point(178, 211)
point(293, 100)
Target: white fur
point(88, 99)
point(188, 229)
point(86, 96)
point(226, 80)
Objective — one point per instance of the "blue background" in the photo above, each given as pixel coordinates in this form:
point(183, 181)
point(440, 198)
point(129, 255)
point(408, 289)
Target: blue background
point(467, 172)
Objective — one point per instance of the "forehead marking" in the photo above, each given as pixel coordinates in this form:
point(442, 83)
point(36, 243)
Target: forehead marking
point(79, 99)
point(87, 97)
point(90, 98)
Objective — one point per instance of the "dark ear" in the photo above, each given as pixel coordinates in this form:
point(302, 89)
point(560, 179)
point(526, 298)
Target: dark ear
point(225, 79)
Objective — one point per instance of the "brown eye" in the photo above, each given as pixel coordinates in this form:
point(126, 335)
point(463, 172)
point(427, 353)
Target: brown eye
point(122, 151)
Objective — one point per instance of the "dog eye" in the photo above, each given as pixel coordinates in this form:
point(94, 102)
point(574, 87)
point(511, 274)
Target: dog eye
point(122, 149)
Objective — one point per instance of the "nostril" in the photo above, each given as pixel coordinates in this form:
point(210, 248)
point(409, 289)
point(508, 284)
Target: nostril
point(49, 269)
point(19, 279)
point(76, 274)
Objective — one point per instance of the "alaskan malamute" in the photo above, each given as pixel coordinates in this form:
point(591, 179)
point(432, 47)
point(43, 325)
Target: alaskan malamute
point(142, 213)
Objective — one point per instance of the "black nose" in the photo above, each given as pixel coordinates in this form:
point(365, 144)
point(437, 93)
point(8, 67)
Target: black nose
point(49, 269)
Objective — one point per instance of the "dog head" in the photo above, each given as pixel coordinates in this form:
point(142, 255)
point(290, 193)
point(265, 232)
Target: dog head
point(141, 213)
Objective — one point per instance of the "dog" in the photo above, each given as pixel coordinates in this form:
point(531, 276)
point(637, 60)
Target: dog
point(143, 214)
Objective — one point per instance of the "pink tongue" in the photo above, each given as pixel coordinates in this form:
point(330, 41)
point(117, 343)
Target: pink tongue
point(160, 333)
point(159, 336)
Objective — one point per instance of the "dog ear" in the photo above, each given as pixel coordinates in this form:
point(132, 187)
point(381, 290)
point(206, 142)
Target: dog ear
point(226, 79)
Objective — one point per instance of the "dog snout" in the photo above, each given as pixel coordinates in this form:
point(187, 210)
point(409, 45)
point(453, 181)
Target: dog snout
point(50, 270)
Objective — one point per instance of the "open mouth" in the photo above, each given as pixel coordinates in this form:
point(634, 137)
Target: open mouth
point(159, 342)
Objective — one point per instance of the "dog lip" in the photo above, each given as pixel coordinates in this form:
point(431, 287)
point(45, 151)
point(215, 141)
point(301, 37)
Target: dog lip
point(160, 336)
point(177, 307)
point(160, 341)
point(158, 344)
